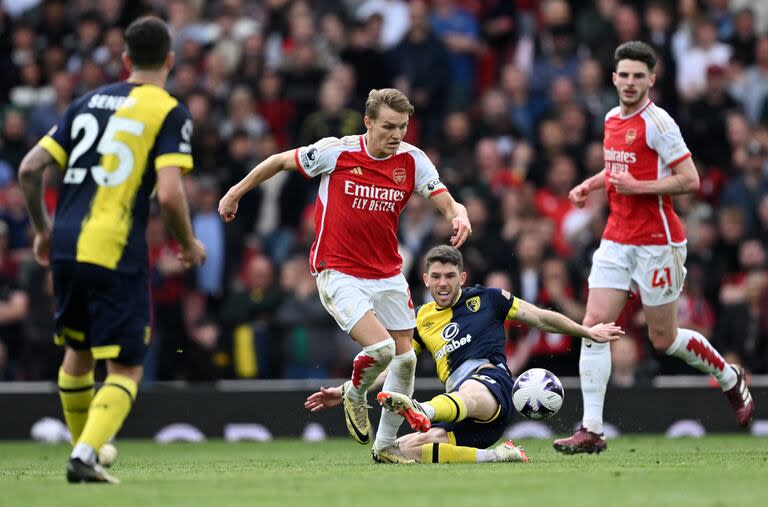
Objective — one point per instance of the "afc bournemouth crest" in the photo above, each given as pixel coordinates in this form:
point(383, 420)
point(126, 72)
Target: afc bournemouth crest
point(631, 136)
point(399, 175)
point(473, 304)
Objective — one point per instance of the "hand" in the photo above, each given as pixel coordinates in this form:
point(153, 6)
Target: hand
point(625, 183)
point(578, 195)
point(168, 263)
point(461, 231)
point(228, 207)
point(326, 397)
point(41, 247)
point(602, 333)
point(194, 255)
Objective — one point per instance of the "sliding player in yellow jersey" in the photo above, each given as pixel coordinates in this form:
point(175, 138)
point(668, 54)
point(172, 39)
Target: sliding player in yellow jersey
point(114, 146)
point(463, 329)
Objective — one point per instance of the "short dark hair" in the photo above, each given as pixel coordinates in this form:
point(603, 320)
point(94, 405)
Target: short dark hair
point(148, 41)
point(445, 254)
point(635, 50)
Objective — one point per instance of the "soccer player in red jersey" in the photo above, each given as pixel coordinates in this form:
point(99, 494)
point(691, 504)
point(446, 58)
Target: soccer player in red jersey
point(646, 163)
point(366, 180)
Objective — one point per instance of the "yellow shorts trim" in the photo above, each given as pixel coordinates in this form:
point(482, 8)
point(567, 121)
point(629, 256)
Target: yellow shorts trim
point(493, 418)
point(72, 334)
point(451, 438)
point(105, 351)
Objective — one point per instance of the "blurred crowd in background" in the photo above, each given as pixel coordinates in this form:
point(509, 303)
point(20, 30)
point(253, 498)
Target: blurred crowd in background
point(510, 98)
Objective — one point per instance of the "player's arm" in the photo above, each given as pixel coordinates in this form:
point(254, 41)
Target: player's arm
point(285, 161)
point(683, 180)
point(547, 320)
point(455, 213)
point(578, 194)
point(31, 172)
point(175, 212)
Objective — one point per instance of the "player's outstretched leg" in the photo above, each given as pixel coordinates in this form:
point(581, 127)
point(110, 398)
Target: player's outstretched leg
point(406, 407)
point(740, 397)
point(449, 453)
point(447, 407)
point(583, 441)
point(391, 454)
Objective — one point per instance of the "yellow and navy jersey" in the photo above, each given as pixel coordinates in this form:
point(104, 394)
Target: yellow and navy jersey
point(109, 144)
point(472, 328)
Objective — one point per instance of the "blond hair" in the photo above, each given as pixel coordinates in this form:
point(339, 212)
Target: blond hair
point(390, 97)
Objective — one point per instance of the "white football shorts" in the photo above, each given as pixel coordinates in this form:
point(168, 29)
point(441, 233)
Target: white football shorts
point(658, 270)
point(347, 298)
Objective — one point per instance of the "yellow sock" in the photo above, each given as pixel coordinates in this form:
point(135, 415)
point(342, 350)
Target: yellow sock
point(448, 408)
point(76, 394)
point(447, 453)
point(109, 409)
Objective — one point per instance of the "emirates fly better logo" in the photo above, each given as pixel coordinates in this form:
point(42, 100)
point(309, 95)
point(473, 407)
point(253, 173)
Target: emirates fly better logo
point(373, 198)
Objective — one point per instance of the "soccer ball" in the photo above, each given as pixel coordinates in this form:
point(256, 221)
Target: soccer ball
point(537, 394)
point(107, 455)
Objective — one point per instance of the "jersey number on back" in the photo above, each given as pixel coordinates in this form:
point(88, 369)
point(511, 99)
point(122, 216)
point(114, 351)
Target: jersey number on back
point(108, 145)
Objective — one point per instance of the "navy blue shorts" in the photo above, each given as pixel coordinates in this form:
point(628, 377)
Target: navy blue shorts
point(483, 434)
point(103, 311)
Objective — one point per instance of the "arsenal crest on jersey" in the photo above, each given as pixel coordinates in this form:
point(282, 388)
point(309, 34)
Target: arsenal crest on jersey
point(399, 175)
point(631, 136)
point(473, 303)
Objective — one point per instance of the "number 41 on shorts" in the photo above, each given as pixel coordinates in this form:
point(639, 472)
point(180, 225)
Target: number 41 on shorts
point(661, 278)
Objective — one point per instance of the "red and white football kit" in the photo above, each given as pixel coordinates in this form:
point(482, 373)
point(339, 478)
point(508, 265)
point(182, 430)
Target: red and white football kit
point(644, 239)
point(357, 212)
point(644, 242)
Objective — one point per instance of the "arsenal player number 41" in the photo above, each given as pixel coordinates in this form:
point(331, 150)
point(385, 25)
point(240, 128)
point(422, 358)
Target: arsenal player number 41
point(646, 163)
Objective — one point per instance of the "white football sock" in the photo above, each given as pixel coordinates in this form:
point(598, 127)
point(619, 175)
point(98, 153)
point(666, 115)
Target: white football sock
point(696, 350)
point(486, 456)
point(594, 371)
point(85, 452)
point(367, 365)
point(400, 379)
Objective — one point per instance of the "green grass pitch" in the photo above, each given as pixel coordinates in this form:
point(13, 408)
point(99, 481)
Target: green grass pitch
point(643, 471)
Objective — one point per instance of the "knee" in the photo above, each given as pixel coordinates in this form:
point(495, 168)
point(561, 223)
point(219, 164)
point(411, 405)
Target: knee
point(661, 338)
point(592, 318)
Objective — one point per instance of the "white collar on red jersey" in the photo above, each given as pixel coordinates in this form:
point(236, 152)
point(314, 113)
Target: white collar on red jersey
point(647, 103)
point(364, 144)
